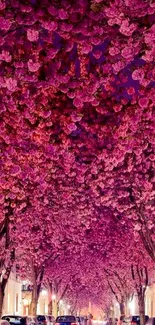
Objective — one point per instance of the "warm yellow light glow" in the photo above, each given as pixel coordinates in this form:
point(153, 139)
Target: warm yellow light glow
point(132, 307)
point(46, 309)
point(25, 302)
point(53, 297)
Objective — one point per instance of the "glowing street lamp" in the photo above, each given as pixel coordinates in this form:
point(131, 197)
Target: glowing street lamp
point(53, 297)
point(25, 302)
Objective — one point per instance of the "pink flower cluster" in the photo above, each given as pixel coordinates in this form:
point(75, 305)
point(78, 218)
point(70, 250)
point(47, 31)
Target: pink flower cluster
point(77, 135)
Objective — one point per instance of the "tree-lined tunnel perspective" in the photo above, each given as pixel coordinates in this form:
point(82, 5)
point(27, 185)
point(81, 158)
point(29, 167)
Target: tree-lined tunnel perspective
point(77, 149)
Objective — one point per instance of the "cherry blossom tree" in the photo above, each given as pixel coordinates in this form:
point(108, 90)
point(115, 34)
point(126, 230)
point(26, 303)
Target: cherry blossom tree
point(7, 255)
point(76, 129)
point(120, 289)
point(130, 275)
point(59, 278)
point(140, 277)
point(34, 257)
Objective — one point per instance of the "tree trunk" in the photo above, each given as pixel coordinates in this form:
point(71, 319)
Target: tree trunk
point(58, 309)
point(141, 303)
point(1, 299)
point(34, 301)
point(126, 309)
point(122, 308)
point(50, 307)
point(113, 316)
point(37, 276)
point(50, 302)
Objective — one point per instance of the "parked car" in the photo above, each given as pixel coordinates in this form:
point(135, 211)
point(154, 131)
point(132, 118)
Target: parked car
point(46, 319)
point(81, 320)
point(66, 320)
point(134, 320)
point(151, 321)
point(20, 320)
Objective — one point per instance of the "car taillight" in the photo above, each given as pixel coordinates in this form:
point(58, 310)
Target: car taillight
point(133, 323)
point(45, 322)
point(57, 324)
point(73, 323)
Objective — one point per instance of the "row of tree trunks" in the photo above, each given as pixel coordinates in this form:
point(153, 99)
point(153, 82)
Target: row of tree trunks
point(6, 262)
point(1, 299)
point(141, 304)
point(34, 302)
